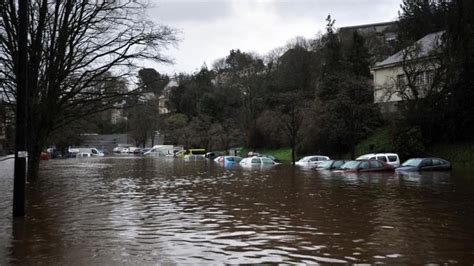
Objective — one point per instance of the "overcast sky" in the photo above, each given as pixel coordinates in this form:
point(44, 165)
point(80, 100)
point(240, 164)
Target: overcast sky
point(211, 28)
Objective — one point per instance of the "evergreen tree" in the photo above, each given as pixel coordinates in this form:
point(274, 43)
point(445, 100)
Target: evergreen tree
point(332, 66)
point(418, 18)
point(358, 56)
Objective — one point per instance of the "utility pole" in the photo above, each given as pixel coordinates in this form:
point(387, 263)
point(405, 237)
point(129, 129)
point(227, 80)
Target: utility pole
point(21, 111)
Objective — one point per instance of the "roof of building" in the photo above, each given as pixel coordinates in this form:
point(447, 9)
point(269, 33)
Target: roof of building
point(388, 23)
point(422, 48)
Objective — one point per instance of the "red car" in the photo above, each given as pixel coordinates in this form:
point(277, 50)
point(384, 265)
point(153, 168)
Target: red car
point(363, 166)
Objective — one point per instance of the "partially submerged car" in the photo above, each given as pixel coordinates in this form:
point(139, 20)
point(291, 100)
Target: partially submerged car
point(228, 160)
point(312, 161)
point(362, 166)
point(425, 164)
point(388, 158)
point(275, 159)
point(330, 165)
point(257, 161)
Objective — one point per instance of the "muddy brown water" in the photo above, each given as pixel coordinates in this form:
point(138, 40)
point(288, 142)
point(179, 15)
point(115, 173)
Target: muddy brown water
point(150, 210)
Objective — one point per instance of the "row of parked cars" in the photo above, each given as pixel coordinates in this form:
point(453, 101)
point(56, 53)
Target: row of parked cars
point(380, 162)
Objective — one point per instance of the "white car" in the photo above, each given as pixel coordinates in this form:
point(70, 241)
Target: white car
point(91, 151)
point(389, 158)
point(132, 149)
point(312, 161)
point(120, 149)
point(256, 161)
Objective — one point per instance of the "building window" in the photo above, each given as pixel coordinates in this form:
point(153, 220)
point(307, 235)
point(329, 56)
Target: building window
point(429, 76)
point(420, 79)
point(401, 80)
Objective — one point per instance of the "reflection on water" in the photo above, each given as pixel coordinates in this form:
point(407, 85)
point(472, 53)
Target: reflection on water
point(134, 210)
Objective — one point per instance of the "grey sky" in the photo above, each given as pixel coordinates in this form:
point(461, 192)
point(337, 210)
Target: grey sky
point(211, 28)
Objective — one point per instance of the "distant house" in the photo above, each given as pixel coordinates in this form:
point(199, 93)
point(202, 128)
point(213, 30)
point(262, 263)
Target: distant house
point(385, 31)
point(407, 75)
point(164, 97)
point(380, 38)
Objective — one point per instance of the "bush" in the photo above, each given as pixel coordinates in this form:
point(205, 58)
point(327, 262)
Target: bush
point(408, 141)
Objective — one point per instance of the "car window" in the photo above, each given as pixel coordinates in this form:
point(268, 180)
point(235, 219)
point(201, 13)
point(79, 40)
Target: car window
point(382, 158)
point(267, 161)
point(313, 159)
point(364, 165)
point(255, 160)
point(412, 162)
point(230, 159)
point(338, 164)
point(392, 158)
point(94, 151)
point(438, 162)
point(376, 164)
point(372, 158)
point(426, 163)
point(322, 159)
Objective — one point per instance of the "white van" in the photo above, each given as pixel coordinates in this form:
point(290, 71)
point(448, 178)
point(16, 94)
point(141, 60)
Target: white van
point(163, 150)
point(389, 158)
point(94, 152)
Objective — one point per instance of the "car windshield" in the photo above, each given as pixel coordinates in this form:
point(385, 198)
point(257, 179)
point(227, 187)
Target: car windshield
point(412, 162)
point(325, 164)
point(350, 165)
point(338, 164)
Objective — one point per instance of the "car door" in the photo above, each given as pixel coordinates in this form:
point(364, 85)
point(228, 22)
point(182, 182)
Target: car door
point(376, 166)
point(256, 161)
point(364, 166)
point(439, 164)
point(313, 161)
point(426, 165)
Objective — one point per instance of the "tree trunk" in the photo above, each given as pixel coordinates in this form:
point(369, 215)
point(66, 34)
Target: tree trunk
point(34, 153)
point(353, 151)
point(293, 155)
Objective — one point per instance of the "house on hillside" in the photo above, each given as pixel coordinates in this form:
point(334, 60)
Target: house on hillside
point(385, 31)
point(380, 38)
point(165, 95)
point(409, 74)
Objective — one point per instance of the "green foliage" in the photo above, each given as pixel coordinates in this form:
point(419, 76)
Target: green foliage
point(359, 57)
point(379, 141)
point(283, 154)
point(461, 154)
point(420, 17)
point(152, 81)
point(408, 142)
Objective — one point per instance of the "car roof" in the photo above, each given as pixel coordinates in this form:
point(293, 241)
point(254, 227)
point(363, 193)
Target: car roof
point(380, 154)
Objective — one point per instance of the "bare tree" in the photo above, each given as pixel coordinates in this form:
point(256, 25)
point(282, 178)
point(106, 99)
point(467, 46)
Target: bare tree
point(72, 46)
point(423, 73)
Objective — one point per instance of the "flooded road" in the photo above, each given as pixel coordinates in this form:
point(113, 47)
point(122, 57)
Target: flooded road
point(144, 210)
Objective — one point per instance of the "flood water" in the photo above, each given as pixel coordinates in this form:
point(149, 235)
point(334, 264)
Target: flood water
point(151, 210)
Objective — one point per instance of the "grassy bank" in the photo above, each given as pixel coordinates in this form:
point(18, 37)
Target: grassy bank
point(459, 154)
point(379, 141)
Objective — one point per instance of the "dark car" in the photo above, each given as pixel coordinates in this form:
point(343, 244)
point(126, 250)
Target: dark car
point(425, 164)
point(330, 165)
point(362, 166)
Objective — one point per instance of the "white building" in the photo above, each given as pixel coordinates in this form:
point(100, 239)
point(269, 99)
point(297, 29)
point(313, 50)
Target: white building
point(408, 74)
